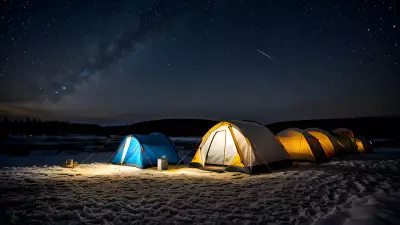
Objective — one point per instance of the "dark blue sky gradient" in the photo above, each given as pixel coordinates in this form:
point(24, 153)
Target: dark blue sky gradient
point(137, 60)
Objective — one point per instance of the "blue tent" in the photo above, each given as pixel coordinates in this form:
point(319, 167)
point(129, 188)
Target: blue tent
point(143, 150)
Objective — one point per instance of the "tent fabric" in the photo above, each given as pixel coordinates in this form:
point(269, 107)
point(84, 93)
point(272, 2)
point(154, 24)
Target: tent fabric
point(363, 144)
point(302, 146)
point(346, 138)
point(239, 146)
point(329, 143)
point(142, 151)
point(347, 142)
point(344, 131)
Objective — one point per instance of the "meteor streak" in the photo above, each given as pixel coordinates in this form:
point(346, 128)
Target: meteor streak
point(266, 55)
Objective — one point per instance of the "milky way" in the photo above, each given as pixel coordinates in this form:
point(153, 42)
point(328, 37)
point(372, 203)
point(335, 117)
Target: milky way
point(152, 20)
point(200, 58)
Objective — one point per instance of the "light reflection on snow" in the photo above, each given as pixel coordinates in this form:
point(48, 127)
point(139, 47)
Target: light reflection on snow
point(96, 169)
point(101, 169)
point(111, 194)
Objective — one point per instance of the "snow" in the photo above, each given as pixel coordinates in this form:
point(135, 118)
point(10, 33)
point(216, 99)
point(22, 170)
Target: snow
point(369, 210)
point(357, 189)
point(347, 191)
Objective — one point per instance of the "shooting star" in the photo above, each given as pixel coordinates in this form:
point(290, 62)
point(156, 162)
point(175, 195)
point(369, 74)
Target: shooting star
point(266, 55)
point(291, 72)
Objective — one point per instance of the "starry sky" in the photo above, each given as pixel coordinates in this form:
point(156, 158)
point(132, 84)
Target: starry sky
point(264, 60)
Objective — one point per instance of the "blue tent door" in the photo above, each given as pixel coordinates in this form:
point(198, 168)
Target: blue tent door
point(134, 155)
point(118, 159)
point(129, 153)
point(125, 149)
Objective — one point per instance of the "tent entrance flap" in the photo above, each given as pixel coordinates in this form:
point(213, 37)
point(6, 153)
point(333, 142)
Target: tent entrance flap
point(126, 146)
point(222, 149)
point(215, 152)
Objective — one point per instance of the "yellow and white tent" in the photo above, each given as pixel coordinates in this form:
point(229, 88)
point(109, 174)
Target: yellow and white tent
point(329, 143)
point(240, 146)
point(346, 138)
point(301, 145)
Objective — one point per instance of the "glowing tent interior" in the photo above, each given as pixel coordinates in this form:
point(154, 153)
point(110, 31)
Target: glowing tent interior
point(240, 146)
point(328, 142)
point(302, 146)
point(142, 151)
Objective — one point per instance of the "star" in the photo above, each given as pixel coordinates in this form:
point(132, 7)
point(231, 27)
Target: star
point(71, 56)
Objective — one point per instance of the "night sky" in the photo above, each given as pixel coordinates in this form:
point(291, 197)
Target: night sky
point(266, 60)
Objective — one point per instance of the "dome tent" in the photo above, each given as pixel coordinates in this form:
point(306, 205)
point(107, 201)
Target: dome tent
point(302, 146)
point(346, 138)
point(241, 146)
point(142, 151)
point(328, 142)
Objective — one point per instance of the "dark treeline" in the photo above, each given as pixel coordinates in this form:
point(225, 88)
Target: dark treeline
point(170, 127)
point(35, 126)
point(370, 127)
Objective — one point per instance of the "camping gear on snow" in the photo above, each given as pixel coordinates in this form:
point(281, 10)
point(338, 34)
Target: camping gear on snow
point(70, 163)
point(301, 145)
point(143, 151)
point(328, 142)
point(240, 146)
point(162, 164)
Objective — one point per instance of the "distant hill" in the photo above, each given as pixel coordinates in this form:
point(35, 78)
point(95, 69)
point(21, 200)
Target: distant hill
point(170, 127)
point(370, 127)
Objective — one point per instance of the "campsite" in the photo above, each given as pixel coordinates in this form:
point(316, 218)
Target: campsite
point(246, 112)
point(122, 184)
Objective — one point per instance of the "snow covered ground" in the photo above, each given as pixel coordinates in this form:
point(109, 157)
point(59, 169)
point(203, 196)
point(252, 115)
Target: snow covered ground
point(348, 191)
